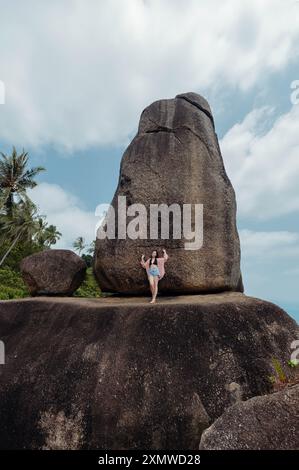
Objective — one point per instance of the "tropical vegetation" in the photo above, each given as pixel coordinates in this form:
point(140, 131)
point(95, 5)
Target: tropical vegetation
point(24, 231)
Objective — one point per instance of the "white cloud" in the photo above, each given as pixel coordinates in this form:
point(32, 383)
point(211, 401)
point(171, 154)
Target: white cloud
point(79, 73)
point(257, 246)
point(264, 165)
point(65, 212)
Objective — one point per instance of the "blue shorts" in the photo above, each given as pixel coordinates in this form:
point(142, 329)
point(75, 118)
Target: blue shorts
point(154, 271)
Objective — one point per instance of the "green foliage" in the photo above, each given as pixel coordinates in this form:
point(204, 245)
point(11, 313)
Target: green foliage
point(11, 285)
point(79, 245)
point(16, 178)
point(88, 256)
point(279, 370)
point(89, 287)
point(10, 278)
point(8, 293)
point(88, 260)
point(20, 224)
point(91, 248)
point(20, 251)
point(23, 231)
point(282, 379)
point(45, 235)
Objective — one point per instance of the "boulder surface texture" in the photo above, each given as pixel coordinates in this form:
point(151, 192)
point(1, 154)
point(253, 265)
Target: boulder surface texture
point(53, 272)
point(269, 422)
point(120, 373)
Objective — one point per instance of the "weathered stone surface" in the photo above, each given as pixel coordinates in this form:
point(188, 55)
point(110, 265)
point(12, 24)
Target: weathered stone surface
point(175, 158)
point(119, 373)
point(53, 272)
point(269, 422)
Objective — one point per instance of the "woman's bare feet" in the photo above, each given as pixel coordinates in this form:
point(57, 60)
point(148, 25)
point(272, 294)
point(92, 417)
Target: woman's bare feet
point(152, 301)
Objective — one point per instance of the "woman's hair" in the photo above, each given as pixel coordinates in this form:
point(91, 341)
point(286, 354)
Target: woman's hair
point(155, 260)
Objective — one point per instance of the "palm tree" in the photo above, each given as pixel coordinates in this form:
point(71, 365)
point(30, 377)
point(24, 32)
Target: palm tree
point(48, 234)
point(52, 235)
point(91, 247)
point(41, 226)
point(79, 245)
point(23, 225)
point(15, 178)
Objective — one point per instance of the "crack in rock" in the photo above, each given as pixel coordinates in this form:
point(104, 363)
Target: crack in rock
point(198, 106)
point(173, 131)
point(163, 129)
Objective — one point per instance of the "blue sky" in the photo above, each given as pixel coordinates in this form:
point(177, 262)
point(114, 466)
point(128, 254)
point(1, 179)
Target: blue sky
point(77, 79)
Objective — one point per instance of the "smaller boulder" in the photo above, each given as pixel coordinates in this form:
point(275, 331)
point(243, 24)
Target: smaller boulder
point(53, 272)
point(268, 422)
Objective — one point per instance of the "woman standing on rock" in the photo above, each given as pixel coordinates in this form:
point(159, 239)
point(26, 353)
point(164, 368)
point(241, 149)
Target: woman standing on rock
point(155, 271)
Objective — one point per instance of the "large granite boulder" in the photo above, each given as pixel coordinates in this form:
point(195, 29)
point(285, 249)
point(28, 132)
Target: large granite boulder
point(269, 422)
point(53, 272)
point(175, 159)
point(119, 373)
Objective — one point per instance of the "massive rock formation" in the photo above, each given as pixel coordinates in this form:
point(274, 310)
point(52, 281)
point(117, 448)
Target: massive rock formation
point(122, 374)
point(269, 422)
point(175, 158)
point(53, 272)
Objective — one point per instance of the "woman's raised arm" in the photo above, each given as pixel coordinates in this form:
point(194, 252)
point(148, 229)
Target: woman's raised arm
point(142, 262)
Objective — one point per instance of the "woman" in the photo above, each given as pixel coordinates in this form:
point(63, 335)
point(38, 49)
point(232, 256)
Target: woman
point(155, 271)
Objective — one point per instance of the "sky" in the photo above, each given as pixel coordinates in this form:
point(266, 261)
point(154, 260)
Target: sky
point(78, 74)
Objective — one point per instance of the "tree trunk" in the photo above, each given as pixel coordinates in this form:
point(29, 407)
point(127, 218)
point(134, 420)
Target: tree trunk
point(10, 248)
point(9, 205)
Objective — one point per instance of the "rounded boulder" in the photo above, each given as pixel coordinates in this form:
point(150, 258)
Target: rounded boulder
point(53, 272)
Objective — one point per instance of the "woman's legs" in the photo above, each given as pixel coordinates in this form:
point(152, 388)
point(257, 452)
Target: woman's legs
point(151, 284)
point(155, 289)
